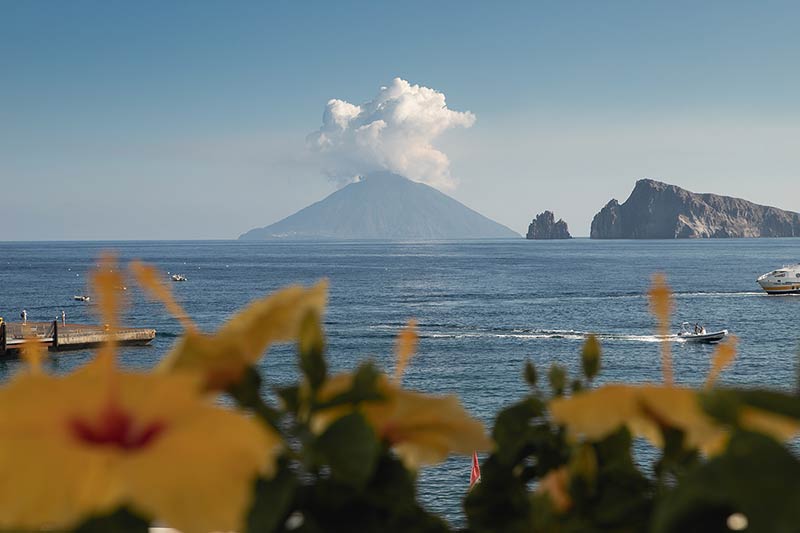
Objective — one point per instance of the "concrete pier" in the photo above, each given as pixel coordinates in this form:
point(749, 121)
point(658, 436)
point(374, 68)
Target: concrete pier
point(58, 337)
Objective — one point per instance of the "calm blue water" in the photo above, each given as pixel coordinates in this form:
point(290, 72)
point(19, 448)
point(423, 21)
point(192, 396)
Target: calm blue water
point(483, 308)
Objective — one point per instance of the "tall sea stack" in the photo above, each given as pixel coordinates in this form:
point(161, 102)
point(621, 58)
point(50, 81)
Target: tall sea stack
point(657, 210)
point(544, 226)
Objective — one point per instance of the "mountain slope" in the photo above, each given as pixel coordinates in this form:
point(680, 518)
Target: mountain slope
point(384, 206)
point(657, 210)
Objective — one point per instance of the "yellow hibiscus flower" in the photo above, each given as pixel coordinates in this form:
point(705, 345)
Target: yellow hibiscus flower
point(242, 340)
point(644, 409)
point(422, 429)
point(93, 441)
point(98, 439)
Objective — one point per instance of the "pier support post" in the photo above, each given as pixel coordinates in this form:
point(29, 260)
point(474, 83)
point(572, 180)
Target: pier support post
point(2, 339)
point(54, 346)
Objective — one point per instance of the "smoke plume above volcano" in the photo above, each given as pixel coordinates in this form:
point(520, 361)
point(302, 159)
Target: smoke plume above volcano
point(392, 132)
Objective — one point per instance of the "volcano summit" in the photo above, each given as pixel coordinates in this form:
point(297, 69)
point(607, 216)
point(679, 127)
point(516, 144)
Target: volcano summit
point(384, 206)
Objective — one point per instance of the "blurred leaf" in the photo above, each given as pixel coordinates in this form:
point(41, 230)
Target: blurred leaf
point(311, 348)
point(676, 458)
point(722, 405)
point(247, 393)
point(272, 501)
point(364, 388)
point(530, 373)
point(386, 505)
point(290, 396)
point(755, 476)
point(590, 357)
point(500, 502)
point(583, 464)
point(120, 521)
point(772, 413)
point(620, 497)
point(365, 382)
point(775, 402)
point(350, 447)
point(558, 379)
point(512, 429)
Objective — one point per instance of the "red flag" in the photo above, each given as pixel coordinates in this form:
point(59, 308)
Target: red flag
point(475, 475)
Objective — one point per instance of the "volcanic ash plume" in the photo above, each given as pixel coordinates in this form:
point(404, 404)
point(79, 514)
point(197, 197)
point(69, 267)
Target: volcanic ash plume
point(393, 132)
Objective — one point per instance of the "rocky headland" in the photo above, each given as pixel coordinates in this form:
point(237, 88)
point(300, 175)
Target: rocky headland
point(657, 210)
point(544, 226)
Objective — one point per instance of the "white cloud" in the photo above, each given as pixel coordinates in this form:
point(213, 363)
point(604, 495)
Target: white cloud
point(393, 132)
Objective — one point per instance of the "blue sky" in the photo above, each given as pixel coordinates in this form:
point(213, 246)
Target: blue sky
point(170, 120)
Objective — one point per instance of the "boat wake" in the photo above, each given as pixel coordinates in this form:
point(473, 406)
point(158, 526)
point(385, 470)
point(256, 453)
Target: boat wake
point(718, 294)
point(551, 334)
point(461, 332)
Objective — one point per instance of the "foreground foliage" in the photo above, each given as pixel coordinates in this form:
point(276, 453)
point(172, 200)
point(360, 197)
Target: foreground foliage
point(104, 449)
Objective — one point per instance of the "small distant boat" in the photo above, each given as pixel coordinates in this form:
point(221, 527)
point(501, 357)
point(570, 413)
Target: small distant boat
point(690, 335)
point(178, 277)
point(784, 280)
point(81, 298)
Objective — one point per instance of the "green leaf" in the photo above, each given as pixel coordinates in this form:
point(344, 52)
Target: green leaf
point(311, 348)
point(386, 505)
point(365, 382)
point(558, 379)
point(530, 373)
point(721, 404)
point(590, 357)
point(272, 501)
point(755, 476)
point(512, 429)
point(247, 393)
point(349, 446)
point(120, 521)
point(775, 402)
point(290, 396)
point(676, 458)
point(364, 388)
point(619, 498)
point(725, 404)
point(500, 502)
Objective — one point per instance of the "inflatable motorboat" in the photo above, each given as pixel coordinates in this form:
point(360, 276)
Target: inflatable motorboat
point(699, 334)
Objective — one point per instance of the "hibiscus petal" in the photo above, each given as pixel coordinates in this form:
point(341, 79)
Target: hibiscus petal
point(245, 337)
point(199, 475)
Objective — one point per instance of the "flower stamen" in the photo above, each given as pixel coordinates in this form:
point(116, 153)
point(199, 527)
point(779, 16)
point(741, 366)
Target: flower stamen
point(116, 428)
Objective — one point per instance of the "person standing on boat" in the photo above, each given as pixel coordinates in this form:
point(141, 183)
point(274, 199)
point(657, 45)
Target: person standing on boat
point(63, 318)
point(24, 316)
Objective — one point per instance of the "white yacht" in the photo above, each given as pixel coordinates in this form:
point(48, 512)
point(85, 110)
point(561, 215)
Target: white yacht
point(784, 280)
point(178, 277)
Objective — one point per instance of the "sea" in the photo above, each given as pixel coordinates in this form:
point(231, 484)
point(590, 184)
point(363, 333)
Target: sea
point(483, 309)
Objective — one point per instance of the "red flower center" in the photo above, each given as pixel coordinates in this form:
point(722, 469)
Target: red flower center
point(115, 427)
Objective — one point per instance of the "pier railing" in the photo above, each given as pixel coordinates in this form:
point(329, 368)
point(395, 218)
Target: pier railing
point(58, 336)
